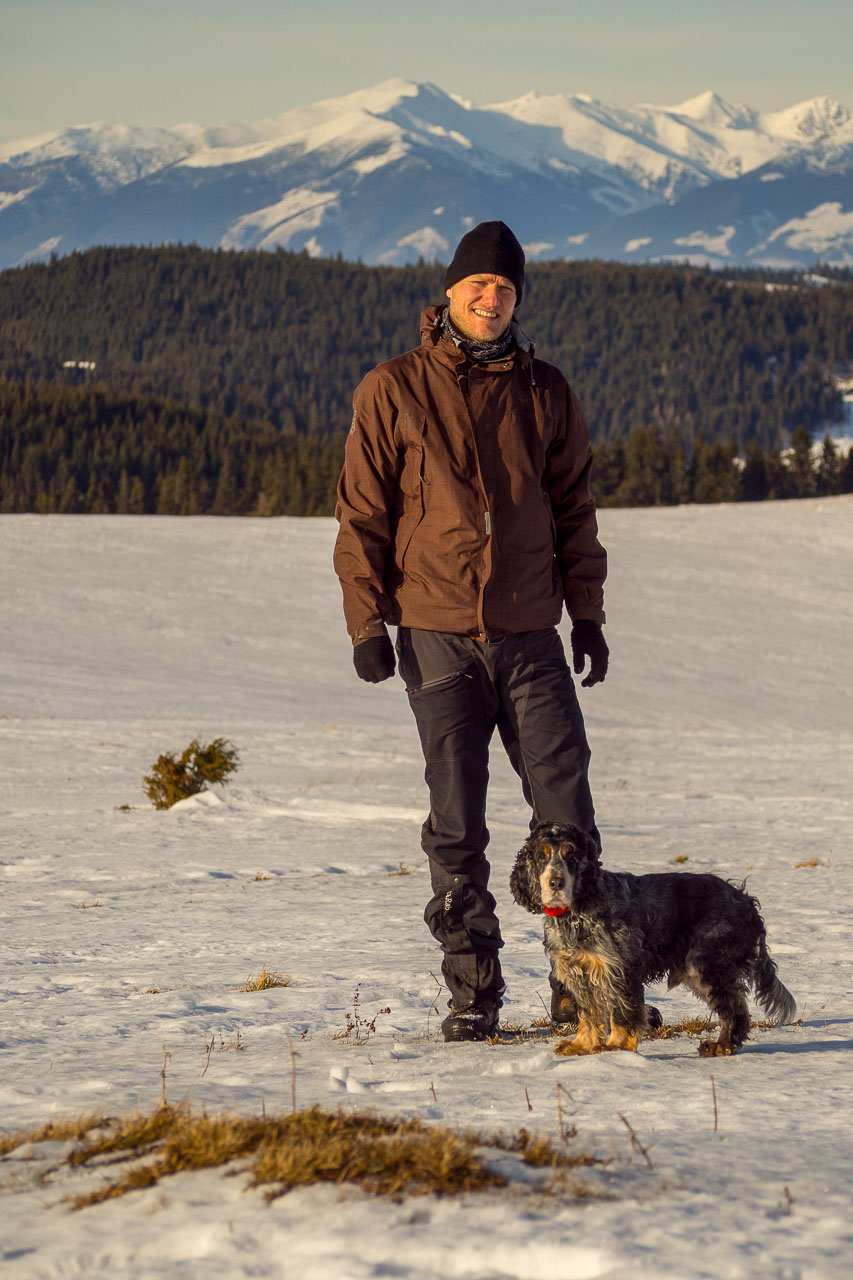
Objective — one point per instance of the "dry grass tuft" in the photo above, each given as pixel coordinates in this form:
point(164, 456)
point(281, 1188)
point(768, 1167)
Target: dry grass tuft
point(69, 1129)
point(811, 862)
point(681, 857)
point(264, 980)
point(383, 1156)
point(686, 1027)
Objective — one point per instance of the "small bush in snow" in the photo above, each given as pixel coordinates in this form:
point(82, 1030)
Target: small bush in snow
point(173, 778)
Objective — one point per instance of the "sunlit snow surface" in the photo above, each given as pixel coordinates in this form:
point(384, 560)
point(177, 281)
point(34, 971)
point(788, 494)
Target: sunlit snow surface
point(723, 734)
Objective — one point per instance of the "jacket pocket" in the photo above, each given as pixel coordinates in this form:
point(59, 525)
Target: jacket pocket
point(551, 521)
point(411, 501)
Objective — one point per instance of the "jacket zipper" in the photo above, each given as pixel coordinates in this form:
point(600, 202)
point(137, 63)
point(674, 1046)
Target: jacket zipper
point(433, 684)
point(462, 383)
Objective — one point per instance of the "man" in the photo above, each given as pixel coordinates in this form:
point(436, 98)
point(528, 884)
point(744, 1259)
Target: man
point(466, 521)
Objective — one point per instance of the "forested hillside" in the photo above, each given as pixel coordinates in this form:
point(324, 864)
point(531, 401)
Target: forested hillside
point(176, 379)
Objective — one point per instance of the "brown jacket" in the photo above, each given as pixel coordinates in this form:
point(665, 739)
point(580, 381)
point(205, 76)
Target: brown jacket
point(464, 501)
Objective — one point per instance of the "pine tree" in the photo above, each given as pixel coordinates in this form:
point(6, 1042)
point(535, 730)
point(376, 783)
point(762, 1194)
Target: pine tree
point(800, 464)
point(828, 478)
point(755, 484)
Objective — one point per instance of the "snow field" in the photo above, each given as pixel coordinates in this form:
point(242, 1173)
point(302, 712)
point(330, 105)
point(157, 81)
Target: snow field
point(722, 735)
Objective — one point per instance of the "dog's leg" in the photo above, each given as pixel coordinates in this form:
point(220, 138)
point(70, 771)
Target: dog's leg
point(731, 1008)
point(628, 1018)
point(564, 1009)
point(722, 988)
point(589, 1038)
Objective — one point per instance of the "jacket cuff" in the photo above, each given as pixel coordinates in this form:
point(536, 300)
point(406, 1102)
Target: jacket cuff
point(588, 613)
point(368, 631)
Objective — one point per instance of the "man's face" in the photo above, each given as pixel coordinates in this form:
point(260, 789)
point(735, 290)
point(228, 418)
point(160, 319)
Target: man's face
point(481, 306)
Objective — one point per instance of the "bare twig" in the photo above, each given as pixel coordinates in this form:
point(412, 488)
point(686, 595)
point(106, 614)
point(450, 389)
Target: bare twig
point(714, 1099)
point(433, 1009)
point(803, 1016)
point(292, 1076)
point(432, 1091)
point(636, 1143)
point(209, 1048)
point(166, 1057)
point(565, 1134)
point(527, 1096)
point(547, 1012)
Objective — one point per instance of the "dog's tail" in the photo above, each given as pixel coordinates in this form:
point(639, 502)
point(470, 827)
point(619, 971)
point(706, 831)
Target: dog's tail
point(771, 994)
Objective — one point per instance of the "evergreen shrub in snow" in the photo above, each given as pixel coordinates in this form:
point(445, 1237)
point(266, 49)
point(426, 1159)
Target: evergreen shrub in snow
point(173, 778)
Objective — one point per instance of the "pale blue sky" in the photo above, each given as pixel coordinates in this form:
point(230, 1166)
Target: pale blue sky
point(66, 62)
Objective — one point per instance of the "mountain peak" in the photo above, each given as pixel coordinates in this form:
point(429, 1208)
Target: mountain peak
point(808, 120)
point(710, 108)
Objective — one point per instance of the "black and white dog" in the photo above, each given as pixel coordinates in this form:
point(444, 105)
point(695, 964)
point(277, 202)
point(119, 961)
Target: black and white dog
point(607, 934)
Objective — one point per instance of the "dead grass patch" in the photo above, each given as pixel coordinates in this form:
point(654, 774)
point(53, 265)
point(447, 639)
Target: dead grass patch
point(686, 1027)
point(64, 1129)
point(384, 1156)
point(264, 980)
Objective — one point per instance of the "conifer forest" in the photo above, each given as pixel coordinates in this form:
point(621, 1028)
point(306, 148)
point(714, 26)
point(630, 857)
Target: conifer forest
point(182, 381)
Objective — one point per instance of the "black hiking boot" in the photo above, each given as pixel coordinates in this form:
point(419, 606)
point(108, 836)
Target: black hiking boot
point(477, 1022)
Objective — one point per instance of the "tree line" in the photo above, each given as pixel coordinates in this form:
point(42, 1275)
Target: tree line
point(67, 449)
point(282, 338)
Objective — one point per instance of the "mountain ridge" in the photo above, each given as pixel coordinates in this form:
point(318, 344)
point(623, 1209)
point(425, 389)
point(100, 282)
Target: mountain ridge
point(402, 168)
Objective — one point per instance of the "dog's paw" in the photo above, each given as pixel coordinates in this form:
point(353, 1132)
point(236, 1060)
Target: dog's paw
point(713, 1049)
point(571, 1048)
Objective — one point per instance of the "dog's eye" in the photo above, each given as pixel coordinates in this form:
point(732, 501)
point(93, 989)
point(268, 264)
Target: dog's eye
point(546, 849)
point(567, 848)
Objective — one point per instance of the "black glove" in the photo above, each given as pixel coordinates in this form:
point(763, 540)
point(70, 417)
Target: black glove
point(588, 642)
point(374, 658)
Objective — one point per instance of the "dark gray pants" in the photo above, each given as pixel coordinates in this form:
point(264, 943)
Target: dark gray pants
point(460, 690)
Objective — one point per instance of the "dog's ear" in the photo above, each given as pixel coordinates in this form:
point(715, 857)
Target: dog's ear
point(524, 883)
point(587, 888)
point(588, 846)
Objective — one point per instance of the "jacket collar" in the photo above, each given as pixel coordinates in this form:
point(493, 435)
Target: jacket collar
point(431, 336)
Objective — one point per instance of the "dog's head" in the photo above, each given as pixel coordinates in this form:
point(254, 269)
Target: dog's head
point(556, 870)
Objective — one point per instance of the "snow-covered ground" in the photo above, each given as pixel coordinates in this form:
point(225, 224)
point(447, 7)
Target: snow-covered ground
point(723, 735)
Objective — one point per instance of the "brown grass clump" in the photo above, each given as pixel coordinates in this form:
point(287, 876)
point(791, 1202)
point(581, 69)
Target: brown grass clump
point(686, 1027)
point(810, 862)
point(386, 1157)
point(264, 980)
point(383, 1156)
point(70, 1129)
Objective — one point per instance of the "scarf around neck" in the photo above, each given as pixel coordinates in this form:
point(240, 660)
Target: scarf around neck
point(497, 349)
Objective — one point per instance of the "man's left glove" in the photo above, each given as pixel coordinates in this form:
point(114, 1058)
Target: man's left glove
point(588, 642)
point(374, 658)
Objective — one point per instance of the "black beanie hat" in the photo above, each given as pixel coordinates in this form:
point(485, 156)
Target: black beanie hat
point(491, 248)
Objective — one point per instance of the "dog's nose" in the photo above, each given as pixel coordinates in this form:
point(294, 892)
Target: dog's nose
point(555, 883)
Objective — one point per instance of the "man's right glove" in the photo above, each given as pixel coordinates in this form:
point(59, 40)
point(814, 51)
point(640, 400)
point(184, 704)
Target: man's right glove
point(588, 642)
point(374, 658)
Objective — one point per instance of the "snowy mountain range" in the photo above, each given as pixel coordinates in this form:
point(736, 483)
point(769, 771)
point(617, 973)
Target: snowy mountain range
point(400, 170)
